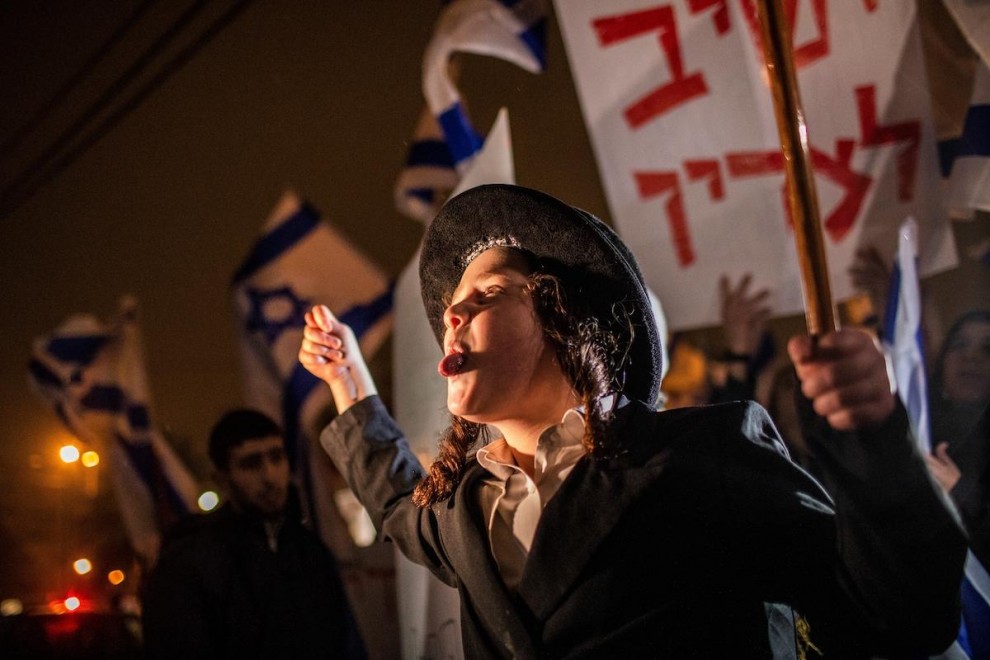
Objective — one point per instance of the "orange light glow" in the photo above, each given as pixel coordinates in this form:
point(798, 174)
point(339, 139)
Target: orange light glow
point(115, 577)
point(90, 459)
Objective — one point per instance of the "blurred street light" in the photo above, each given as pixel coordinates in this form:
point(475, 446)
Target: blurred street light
point(208, 501)
point(90, 459)
point(11, 607)
point(69, 453)
point(115, 577)
point(72, 603)
point(82, 566)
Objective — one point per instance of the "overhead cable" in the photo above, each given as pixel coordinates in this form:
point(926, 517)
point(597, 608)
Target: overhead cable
point(23, 180)
point(73, 81)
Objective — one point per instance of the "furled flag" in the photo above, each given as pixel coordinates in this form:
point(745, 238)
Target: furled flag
point(445, 143)
point(93, 374)
point(299, 261)
point(902, 335)
point(903, 343)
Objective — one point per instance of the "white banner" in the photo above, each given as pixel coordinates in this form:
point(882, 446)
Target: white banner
point(681, 118)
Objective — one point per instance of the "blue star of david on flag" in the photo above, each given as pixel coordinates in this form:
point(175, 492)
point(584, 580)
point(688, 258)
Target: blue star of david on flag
point(273, 311)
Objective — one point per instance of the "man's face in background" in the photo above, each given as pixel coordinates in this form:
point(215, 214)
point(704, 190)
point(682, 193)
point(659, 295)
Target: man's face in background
point(257, 477)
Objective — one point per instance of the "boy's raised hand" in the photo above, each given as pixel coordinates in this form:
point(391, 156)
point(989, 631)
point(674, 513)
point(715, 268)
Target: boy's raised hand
point(331, 352)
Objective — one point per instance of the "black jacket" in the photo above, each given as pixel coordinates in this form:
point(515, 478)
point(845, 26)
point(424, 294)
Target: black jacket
point(218, 591)
point(672, 548)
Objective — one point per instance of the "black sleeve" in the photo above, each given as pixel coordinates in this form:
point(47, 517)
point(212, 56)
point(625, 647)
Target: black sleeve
point(895, 527)
point(874, 563)
point(970, 496)
point(372, 454)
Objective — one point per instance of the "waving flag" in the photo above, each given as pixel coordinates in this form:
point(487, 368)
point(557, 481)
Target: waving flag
point(299, 261)
point(93, 375)
point(445, 143)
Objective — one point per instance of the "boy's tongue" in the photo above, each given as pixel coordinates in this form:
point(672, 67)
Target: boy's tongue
point(451, 365)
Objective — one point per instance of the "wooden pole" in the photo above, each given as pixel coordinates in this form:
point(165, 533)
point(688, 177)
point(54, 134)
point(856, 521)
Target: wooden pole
point(801, 195)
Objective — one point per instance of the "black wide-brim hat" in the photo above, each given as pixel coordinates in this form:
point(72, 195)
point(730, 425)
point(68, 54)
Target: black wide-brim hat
point(554, 232)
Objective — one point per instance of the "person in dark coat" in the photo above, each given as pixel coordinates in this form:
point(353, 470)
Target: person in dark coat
point(960, 402)
point(248, 580)
point(593, 526)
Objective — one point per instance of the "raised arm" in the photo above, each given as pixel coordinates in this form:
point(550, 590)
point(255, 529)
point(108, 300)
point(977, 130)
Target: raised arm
point(367, 447)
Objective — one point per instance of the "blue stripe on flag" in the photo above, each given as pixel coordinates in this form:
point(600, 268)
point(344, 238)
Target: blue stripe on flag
point(362, 317)
point(294, 395)
point(79, 349)
point(277, 241)
point(535, 39)
point(145, 462)
point(975, 140)
point(976, 619)
point(107, 398)
point(43, 375)
point(462, 140)
point(429, 152)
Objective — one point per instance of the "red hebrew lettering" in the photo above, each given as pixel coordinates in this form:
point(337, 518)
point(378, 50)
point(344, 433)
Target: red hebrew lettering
point(721, 15)
point(844, 151)
point(843, 216)
point(759, 163)
point(806, 53)
point(681, 89)
point(855, 185)
point(706, 169)
point(754, 163)
point(874, 135)
point(652, 184)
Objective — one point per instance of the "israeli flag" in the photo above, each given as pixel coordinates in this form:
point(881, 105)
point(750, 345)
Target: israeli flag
point(93, 375)
point(299, 261)
point(445, 143)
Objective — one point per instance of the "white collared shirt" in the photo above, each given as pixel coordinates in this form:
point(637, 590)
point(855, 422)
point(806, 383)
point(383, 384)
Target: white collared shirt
point(513, 502)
